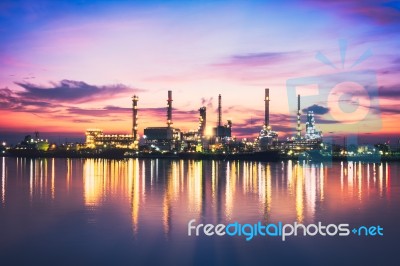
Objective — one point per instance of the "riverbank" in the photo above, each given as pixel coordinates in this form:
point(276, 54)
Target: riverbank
point(266, 156)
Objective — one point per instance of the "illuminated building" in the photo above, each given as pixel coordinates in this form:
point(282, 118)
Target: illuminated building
point(311, 131)
point(222, 131)
point(312, 139)
point(96, 139)
point(267, 138)
point(135, 137)
point(115, 141)
point(298, 118)
point(91, 137)
point(163, 138)
point(202, 121)
point(35, 143)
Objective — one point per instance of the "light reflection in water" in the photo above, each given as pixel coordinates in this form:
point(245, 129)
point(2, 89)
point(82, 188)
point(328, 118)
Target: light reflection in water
point(3, 181)
point(341, 177)
point(359, 181)
point(264, 190)
point(388, 185)
point(310, 184)
point(350, 177)
point(133, 167)
point(299, 184)
point(321, 181)
point(380, 179)
point(368, 177)
point(92, 182)
point(53, 170)
point(229, 192)
point(214, 187)
point(69, 169)
point(173, 192)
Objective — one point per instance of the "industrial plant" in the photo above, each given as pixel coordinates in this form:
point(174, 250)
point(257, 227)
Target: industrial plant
point(171, 142)
point(169, 139)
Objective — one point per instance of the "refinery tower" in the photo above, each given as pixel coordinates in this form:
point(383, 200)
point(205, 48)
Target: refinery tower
point(267, 138)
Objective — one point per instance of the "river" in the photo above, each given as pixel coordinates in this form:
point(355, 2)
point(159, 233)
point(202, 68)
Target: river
point(136, 211)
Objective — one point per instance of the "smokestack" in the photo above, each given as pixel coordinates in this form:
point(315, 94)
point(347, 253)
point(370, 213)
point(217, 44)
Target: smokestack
point(266, 120)
point(135, 99)
point(298, 117)
point(219, 111)
point(202, 121)
point(169, 109)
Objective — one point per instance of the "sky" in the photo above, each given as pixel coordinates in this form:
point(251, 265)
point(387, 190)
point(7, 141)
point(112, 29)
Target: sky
point(66, 66)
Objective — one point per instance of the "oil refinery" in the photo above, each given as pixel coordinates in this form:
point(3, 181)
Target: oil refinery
point(169, 139)
point(170, 142)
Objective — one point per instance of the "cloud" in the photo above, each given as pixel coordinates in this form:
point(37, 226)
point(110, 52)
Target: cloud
point(13, 102)
point(254, 59)
point(83, 121)
point(396, 61)
point(208, 102)
point(379, 12)
point(389, 92)
point(251, 126)
point(57, 99)
point(109, 111)
point(73, 91)
point(386, 109)
point(317, 109)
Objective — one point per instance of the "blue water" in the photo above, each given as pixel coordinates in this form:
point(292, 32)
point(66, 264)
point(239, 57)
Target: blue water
point(136, 212)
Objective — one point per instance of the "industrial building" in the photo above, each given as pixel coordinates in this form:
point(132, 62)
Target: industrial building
point(92, 135)
point(135, 135)
point(163, 138)
point(168, 138)
point(222, 131)
point(95, 139)
point(202, 121)
point(312, 139)
point(196, 140)
point(311, 131)
point(267, 138)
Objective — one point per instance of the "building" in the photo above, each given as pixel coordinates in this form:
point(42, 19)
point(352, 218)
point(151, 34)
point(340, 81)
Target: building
point(91, 138)
point(311, 131)
point(312, 139)
point(95, 139)
point(164, 138)
point(135, 135)
point(267, 139)
point(222, 131)
point(202, 121)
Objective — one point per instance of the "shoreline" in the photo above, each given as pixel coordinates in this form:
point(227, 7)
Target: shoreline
point(267, 156)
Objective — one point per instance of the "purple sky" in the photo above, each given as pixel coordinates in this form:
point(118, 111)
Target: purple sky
point(70, 65)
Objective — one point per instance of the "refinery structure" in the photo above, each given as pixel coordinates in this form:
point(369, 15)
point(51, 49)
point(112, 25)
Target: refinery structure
point(169, 139)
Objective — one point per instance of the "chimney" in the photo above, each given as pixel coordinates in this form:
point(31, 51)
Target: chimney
point(135, 99)
point(298, 117)
point(169, 109)
point(219, 111)
point(202, 121)
point(266, 120)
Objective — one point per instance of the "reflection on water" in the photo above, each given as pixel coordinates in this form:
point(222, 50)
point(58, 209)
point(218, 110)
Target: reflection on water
point(131, 207)
point(3, 181)
point(173, 192)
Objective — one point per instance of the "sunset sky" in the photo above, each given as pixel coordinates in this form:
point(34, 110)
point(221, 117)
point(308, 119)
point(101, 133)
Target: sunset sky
point(66, 66)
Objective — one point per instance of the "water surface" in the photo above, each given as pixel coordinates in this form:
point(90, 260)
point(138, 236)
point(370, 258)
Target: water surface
point(135, 212)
